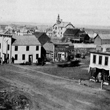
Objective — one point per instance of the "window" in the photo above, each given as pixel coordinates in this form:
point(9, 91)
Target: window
point(106, 60)
point(16, 56)
point(94, 58)
point(37, 47)
point(23, 57)
point(27, 48)
point(100, 60)
point(16, 48)
point(36, 56)
point(8, 47)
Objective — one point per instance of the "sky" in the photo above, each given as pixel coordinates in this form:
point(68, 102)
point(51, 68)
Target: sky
point(81, 12)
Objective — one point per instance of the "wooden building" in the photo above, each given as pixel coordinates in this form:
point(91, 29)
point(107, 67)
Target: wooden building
point(5, 47)
point(101, 39)
point(100, 64)
point(59, 27)
point(62, 51)
point(26, 49)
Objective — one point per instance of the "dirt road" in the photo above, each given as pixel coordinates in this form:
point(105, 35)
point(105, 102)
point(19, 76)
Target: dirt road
point(53, 93)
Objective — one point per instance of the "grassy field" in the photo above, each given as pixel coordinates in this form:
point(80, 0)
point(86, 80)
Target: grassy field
point(77, 72)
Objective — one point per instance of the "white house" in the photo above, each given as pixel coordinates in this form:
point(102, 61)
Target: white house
point(5, 46)
point(26, 49)
point(100, 63)
point(59, 27)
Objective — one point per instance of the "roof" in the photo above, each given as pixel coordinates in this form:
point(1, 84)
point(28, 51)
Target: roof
point(84, 35)
point(102, 53)
point(84, 45)
point(63, 24)
point(29, 40)
point(61, 43)
point(6, 35)
point(104, 36)
point(48, 46)
point(38, 34)
point(71, 31)
point(92, 35)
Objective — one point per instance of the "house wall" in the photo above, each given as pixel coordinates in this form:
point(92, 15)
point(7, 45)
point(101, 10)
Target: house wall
point(105, 41)
point(97, 41)
point(4, 42)
point(22, 50)
point(97, 65)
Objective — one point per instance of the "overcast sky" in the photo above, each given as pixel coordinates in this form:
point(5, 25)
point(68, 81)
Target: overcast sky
point(82, 12)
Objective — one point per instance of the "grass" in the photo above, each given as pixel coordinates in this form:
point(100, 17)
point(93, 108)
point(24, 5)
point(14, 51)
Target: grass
point(69, 72)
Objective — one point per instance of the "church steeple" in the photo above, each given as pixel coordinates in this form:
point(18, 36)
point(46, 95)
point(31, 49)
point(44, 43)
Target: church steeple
point(58, 19)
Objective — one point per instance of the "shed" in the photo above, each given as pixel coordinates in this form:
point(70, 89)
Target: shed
point(101, 39)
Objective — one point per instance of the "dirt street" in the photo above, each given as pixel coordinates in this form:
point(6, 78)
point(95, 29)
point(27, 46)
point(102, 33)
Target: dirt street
point(49, 92)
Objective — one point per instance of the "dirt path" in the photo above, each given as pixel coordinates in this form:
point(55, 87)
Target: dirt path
point(54, 93)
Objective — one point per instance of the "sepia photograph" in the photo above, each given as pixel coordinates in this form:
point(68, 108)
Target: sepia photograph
point(54, 54)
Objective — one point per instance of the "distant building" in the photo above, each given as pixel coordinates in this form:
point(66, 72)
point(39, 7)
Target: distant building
point(84, 38)
point(75, 36)
point(92, 36)
point(71, 35)
point(59, 27)
point(101, 39)
point(49, 32)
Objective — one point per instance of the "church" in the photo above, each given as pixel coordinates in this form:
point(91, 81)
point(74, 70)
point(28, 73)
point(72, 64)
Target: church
point(59, 27)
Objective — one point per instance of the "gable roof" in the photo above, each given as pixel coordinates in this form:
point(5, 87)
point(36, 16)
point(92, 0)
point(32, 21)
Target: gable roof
point(71, 31)
point(48, 46)
point(63, 24)
point(84, 35)
point(92, 35)
point(29, 40)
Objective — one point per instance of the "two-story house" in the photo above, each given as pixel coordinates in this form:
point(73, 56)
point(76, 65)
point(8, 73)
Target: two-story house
point(26, 49)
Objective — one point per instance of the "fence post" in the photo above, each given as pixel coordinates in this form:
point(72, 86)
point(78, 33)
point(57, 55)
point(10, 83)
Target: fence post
point(101, 84)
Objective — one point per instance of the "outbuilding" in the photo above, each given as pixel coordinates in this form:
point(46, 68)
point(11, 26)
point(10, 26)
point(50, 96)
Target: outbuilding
point(101, 39)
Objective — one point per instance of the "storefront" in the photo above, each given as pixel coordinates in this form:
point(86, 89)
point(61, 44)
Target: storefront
point(99, 68)
point(62, 52)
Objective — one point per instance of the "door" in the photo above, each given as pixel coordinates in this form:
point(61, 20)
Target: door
point(30, 58)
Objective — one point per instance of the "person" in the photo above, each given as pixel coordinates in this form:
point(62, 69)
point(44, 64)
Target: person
point(1, 61)
point(100, 77)
point(12, 59)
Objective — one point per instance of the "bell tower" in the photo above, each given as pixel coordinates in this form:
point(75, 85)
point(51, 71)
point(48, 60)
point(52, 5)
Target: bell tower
point(58, 19)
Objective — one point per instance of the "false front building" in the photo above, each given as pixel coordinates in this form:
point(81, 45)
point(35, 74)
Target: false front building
point(100, 64)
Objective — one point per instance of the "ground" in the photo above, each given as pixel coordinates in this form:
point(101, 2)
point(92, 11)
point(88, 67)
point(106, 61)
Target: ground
point(56, 91)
